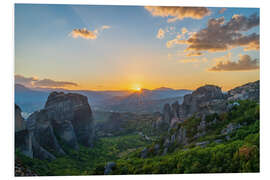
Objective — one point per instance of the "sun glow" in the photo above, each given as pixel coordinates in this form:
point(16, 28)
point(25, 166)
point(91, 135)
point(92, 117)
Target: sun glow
point(136, 87)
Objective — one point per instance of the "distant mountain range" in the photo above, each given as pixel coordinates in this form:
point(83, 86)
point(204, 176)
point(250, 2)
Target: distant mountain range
point(28, 99)
point(145, 101)
point(32, 99)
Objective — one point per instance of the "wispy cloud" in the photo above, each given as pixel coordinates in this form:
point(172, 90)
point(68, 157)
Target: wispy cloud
point(45, 83)
point(178, 13)
point(160, 34)
point(105, 27)
point(193, 60)
point(245, 63)
point(222, 10)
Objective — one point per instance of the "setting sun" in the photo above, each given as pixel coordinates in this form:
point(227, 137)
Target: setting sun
point(136, 87)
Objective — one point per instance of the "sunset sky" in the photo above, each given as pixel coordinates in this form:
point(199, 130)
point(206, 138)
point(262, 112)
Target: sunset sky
point(128, 47)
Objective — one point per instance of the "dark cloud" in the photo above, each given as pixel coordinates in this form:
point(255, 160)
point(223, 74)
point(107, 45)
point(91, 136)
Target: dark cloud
point(221, 36)
point(52, 83)
point(27, 81)
point(245, 63)
point(48, 83)
point(178, 13)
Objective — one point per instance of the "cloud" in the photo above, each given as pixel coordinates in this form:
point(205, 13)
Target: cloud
point(222, 10)
point(87, 34)
point(245, 63)
point(184, 30)
point(44, 83)
point(105, 27)
point(84, 33)
point(221, 36)
point(172, 42)
point(178, 13)
point(226, 57)
point(52, 83)
point(194, 54)
point(160, 33)
point(27, 81)
point(194, 60)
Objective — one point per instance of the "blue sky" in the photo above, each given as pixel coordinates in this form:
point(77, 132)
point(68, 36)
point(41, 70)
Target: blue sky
point(126, 54)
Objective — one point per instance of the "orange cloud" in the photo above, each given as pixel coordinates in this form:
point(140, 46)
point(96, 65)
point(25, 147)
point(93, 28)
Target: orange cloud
point(160, 33)
point(178, 13)
point(84, 33)
point(184, 30)
point(245, 63)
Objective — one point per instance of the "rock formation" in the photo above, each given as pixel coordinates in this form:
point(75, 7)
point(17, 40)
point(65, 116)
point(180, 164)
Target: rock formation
point(66, 117)
point(71, 118)
point(247, 91)
point(206, 100)
point(19, 121)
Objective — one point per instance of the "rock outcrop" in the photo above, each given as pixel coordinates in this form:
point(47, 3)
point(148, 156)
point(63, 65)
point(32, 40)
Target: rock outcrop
point(19, 120)
point(206, 100)
point(71, 118)
point(171, 114)
point(248, 91)
point(66, 117)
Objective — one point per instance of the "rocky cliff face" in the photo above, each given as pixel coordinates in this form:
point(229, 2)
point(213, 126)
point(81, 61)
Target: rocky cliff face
point(247, 91)
point(65, 116)
point(19, 121)
point(206, 100)
point(71, 118)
